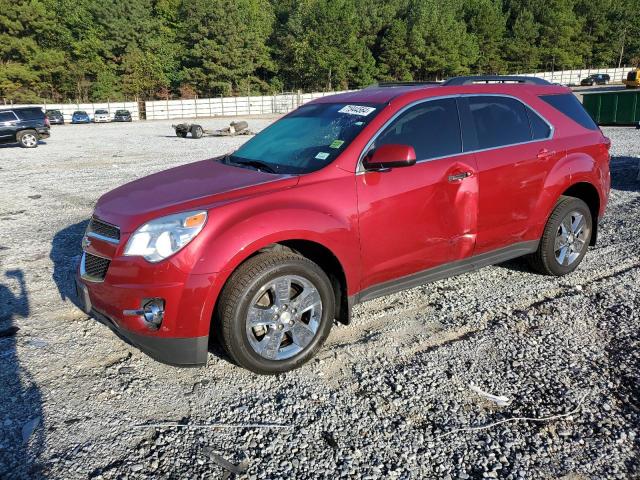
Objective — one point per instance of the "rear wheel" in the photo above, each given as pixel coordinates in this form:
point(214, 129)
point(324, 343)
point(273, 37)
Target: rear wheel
point(566, 238)
point(28, 138)
point(276, 311)
point(181, 133)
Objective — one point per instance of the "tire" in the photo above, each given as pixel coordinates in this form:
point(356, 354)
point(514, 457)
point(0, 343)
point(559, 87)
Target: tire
point(560, 236)
point(181, 134)
point(196, 131)
point(283, 338)
point(27, 138)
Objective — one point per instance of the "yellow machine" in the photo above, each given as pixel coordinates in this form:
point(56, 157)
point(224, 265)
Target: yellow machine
point(633, 79)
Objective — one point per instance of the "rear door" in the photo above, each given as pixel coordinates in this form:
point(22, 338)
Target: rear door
point(8, 123)
point(418, 217)
point(514, 152)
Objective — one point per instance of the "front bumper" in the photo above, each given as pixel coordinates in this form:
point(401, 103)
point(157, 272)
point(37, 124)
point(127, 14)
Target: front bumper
point(180, 352)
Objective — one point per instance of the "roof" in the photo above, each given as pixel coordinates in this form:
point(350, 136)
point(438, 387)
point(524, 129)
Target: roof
point(381, 95)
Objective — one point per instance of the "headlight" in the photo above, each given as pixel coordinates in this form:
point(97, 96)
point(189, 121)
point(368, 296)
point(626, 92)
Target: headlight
point(162, 237)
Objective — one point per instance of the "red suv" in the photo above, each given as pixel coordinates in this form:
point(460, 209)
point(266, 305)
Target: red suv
point(347, 198)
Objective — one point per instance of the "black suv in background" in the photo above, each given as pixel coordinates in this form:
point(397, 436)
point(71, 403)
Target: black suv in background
point(25, 125)
point(596, 79)
point(55, 117)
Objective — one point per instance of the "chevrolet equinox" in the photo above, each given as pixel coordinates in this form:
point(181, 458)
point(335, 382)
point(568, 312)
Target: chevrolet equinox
point(345, 199)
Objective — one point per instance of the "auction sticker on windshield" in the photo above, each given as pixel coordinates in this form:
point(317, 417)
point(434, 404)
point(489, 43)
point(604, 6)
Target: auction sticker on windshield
point(357, 110)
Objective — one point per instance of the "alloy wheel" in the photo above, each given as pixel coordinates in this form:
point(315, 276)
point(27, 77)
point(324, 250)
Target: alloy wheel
point(283, 317)
point(571, 238)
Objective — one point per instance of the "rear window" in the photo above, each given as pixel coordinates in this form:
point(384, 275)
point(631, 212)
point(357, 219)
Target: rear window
point(569, 105)
point(631, 76)
point(30, 113)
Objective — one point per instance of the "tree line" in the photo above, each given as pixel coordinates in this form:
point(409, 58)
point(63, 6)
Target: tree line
point(97, 50)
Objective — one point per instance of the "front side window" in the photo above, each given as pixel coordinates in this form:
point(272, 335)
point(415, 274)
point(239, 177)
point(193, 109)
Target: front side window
point(499, 121)
point(307, 139)
point(432, 128)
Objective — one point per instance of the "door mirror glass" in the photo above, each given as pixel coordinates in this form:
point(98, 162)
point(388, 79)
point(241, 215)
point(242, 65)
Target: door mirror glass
point(390, 156)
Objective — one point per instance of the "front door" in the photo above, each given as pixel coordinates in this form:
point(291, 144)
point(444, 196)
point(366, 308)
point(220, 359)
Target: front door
point(418, 217)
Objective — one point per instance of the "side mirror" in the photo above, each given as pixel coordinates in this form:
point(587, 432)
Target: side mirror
point(390, 156)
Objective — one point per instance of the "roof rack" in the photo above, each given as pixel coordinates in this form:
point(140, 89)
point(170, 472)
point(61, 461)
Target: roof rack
point(457, 81)
point(405, 84)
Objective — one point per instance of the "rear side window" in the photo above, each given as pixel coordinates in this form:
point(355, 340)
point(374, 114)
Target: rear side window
point(539, 128)
point(499, 121)
point(432, 128)
point(569, 105)
point(7, 117)
point(30, 114)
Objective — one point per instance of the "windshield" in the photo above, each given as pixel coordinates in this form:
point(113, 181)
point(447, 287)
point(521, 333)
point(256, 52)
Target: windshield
point(307, 139)
point(101, 112)
point(122, 112)
point(80, 113)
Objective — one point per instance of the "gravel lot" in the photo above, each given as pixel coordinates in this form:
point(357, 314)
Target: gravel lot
point(387, 397)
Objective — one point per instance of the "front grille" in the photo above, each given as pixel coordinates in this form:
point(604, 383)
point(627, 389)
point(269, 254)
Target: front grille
point(95, 268)
point(103, 229)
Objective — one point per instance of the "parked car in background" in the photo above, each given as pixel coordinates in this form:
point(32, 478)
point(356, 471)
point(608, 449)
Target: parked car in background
point(122, 116)
point(633, 79)
point(596, 79)
point(25, 125)
point(55, 117)
point(80, 116)
point(345, 199)
point(101, 116)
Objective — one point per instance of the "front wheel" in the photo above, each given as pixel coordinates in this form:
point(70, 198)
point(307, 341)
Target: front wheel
point(28, 138)
point(275, 311)
point(566, 238)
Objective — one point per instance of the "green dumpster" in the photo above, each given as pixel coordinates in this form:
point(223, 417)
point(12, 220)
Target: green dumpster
point(619, 107)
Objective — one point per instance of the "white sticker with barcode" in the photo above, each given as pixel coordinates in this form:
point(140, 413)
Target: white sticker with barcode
point(360, 110)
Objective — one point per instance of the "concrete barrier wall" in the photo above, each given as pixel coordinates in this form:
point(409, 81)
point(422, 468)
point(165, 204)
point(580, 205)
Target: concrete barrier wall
point(228, 106)
point(573, 77)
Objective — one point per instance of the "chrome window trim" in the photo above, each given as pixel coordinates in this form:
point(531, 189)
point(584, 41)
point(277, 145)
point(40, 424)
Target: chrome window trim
point(83, 271)
point(360, 169)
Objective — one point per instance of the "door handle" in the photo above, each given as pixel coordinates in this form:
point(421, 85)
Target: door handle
point(544, 153)
point(459, 176)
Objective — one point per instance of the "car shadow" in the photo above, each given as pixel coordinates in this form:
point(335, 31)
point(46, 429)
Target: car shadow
point(22, 430)
point(17, 145)
point(66, 249)
point(65, 254)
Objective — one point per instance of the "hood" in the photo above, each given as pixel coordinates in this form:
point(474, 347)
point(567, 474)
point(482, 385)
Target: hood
point(191, 186)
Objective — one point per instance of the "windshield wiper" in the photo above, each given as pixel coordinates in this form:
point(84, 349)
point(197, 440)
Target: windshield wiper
point(257, 164)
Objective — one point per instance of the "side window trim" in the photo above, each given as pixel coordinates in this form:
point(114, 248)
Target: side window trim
point(464, 117)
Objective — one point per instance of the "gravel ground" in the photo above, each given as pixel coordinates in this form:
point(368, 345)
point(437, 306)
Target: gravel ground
point(387, 397)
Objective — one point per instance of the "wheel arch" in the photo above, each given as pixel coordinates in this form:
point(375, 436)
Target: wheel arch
point(588, 193)
point(315, 251)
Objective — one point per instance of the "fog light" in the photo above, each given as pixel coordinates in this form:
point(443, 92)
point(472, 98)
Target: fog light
point(152, 312)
